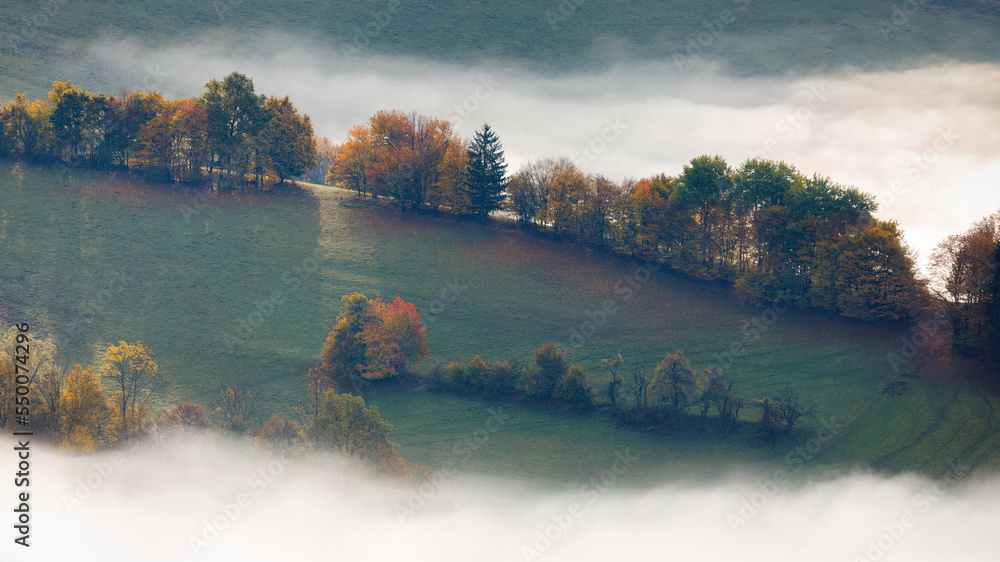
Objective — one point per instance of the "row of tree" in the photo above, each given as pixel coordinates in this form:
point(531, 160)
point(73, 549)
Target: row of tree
point(764, 226)
point(86, 409)
point(421, 163)
point(228, 133)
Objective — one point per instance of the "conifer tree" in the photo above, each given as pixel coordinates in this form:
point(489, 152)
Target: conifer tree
point(486, 180)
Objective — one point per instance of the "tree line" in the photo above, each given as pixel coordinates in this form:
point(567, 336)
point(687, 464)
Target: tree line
point(763, 226)
point(112, 405)
point(661, 399)
point(229, 133)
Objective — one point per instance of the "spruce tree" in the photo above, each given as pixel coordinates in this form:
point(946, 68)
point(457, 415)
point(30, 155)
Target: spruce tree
point(486, 179)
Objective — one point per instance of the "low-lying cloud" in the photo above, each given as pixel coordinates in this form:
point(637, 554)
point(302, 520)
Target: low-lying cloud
point(924, 139)
point(217, 500)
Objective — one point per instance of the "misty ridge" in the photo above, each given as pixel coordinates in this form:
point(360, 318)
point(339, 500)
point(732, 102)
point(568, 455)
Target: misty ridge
point(217, 499)
point(913, 136)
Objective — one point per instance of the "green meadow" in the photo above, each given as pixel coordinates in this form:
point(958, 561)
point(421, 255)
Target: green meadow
point(245, 288)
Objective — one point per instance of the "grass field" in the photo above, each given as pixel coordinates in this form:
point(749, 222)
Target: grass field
point(42, 42)
point(195, 268)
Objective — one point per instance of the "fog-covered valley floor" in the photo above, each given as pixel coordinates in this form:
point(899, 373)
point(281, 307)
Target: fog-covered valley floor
point(218, 500)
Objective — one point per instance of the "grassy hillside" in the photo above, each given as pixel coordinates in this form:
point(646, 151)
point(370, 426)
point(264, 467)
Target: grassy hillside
point(123, 259)
point(48, 41)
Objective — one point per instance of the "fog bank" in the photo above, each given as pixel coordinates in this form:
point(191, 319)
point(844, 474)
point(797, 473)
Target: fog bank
point(213, 500)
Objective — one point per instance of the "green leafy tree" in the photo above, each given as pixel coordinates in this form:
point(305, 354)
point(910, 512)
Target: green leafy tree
point(486, 179)
point(77, 120)
point(343, 354)
point(288, 147)
point(235, 114)
point(539, 382)
point(347, 426)
point(867, 273)
point(573, 390)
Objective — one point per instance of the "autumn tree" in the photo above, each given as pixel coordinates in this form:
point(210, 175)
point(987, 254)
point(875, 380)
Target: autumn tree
point(353, 163)
point(449, 191)
point(47, 386)
point(487, 169)
point(867, 273)
point(347, 426)
point(236, 408)
point(25, 126)
point(528, 191)
point(391, 335)
point(372, 339)
point(674, 383)
point(184, 419)
point(566, 190)
point(85, 415)
point(278, 434)
point(963, 270)
point(124, 118)
point(132, 374)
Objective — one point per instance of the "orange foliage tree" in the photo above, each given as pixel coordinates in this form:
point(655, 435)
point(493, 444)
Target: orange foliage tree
point(393, 334)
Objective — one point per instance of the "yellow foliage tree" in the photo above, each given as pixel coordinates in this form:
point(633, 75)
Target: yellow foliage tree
point(84, 412)
point(132, 373)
